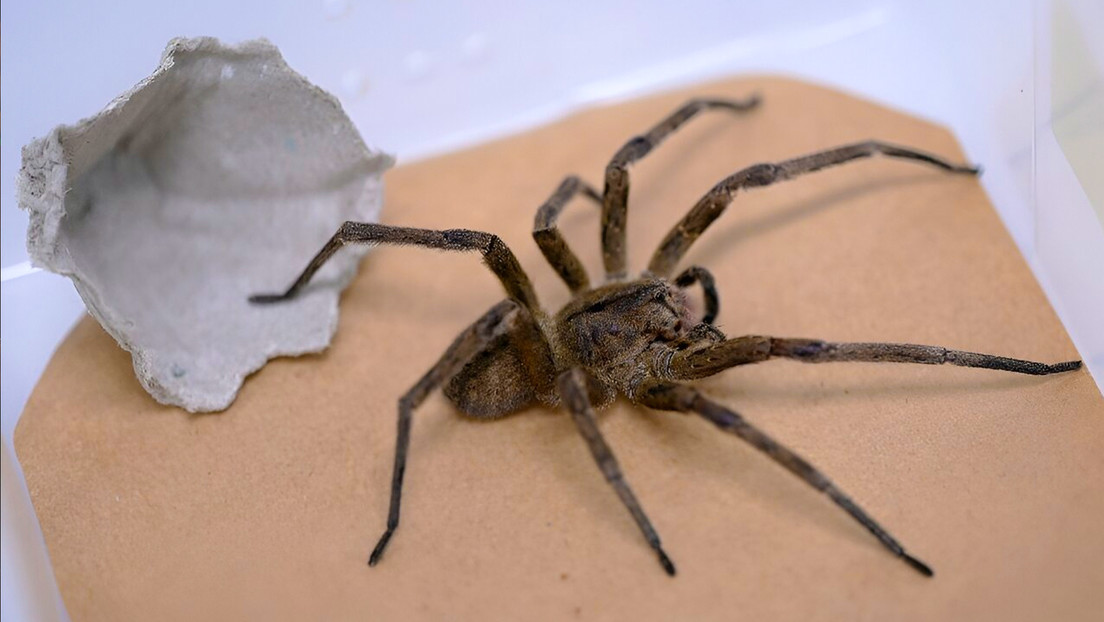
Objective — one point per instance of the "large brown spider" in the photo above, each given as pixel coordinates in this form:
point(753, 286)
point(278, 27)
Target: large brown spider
point(635, 338)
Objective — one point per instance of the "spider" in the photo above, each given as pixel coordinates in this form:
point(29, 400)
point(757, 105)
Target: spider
point(635, 337)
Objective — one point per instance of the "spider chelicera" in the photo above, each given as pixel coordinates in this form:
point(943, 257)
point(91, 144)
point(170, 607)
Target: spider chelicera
point(632, 337)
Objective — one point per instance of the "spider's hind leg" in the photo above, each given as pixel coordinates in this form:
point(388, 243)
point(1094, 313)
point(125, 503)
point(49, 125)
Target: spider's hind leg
point(467, 345)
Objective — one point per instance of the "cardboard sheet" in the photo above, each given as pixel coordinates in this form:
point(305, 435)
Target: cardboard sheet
point(269, 510)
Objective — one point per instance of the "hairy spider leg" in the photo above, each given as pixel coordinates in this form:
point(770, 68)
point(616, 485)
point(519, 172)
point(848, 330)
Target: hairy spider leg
point(663, 395)
point(615, 196)
point(573, 391)
point(710, 206)
point(469, 343)
point(551, 242)
point(496, 255)
point(705, 361)
point(705, 350)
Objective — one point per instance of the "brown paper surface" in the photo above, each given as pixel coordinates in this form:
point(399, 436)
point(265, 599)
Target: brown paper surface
point(269, 510)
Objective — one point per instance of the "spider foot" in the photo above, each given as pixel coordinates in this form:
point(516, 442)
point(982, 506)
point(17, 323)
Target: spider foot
point(917, 565)
point(666, 562)
point(377, 552)
point(1058, 368)
point(265, 299)
point(740, 105)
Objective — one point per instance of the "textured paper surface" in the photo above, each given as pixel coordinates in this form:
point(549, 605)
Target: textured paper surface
point(269, 510)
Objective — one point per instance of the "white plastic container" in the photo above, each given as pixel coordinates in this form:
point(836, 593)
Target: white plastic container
point(421, 78)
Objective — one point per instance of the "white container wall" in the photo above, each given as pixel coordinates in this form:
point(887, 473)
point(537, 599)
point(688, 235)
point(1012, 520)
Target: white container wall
point(1020, 82)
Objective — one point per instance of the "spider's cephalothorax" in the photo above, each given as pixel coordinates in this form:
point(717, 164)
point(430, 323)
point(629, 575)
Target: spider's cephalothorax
point(617, 333)
point(635, 338)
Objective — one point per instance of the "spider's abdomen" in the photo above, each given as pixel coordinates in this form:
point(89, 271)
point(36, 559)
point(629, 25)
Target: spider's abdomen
point(513, 372)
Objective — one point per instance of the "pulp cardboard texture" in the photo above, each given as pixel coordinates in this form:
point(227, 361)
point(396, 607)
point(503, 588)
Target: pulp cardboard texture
point(269, 510)
point(159, 207)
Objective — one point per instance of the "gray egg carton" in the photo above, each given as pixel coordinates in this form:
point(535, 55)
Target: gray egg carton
point(216, 177)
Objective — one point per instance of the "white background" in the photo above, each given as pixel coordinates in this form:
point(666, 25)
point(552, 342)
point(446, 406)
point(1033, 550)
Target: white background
point(420, 77)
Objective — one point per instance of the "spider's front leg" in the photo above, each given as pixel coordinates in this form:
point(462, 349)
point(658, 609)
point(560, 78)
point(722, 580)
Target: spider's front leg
point(496, 255)
point(705, 361)
point(703, 277)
